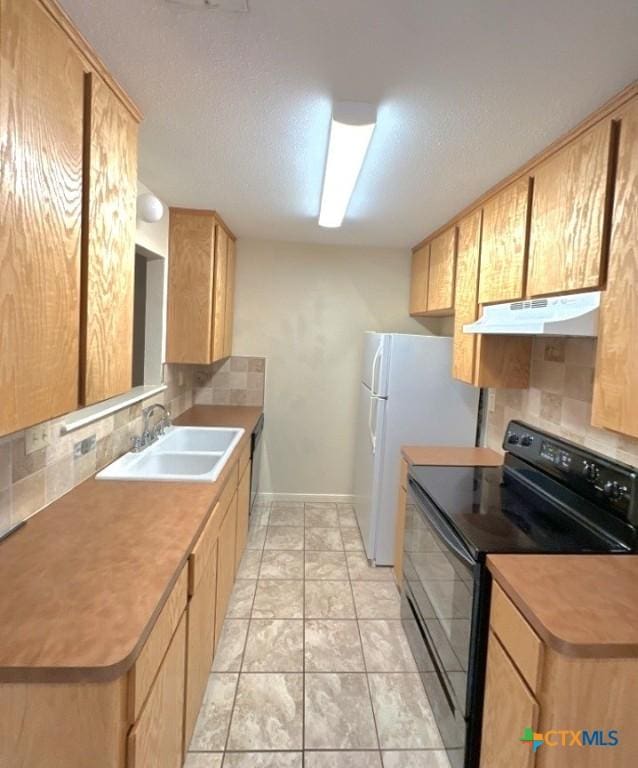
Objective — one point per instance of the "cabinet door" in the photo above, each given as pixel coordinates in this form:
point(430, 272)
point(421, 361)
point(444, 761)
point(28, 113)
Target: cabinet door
point(568, 248)
point(225, 564)
point(503, 244)
point(509, 708)
point(419, 280)
point(189, 320)
point(230, 299)
point(615, 405)
point(110, 193)
point(466, 295)
point(155, 741)
point(219, 293)
point(243, 511)
point(399, 525)
point(200, 642)
point(442, 270)
point(41, 113)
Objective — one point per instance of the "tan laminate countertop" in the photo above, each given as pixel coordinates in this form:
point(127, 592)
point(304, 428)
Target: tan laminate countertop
point(82, 584)
point(450, 456)
point(580, 605)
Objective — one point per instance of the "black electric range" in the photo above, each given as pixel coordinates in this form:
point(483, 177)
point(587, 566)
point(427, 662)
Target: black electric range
point(550, 496)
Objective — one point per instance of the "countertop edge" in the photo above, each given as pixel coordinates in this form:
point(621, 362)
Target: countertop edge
point(451, 455)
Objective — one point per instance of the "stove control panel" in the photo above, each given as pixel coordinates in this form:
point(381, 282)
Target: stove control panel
point(607, 483)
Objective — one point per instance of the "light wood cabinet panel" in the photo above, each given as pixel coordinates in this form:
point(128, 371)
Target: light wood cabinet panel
point(243, 512)
point(41, 148)
point(441, 274)
point(504, 244)
point(219, 290)
point(615, 405)
point(503, 361)
point(399, 526)
point(419, 280)
point(569, 221)
point(155, 741)
point(230, 299)
point(466, 296)
point(509, 708)
point(200, 642)
point(190, 287)
point(110, 193)
point(225, 564)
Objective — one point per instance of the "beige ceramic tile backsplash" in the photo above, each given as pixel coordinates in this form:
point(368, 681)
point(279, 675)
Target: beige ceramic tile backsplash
point(235, 381)
point(559, 399)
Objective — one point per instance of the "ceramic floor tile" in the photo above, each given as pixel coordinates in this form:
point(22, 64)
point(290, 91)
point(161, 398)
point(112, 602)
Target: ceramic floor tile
point(274, 645)
point(284, 537)
point(259, 515)
point(241, 599)
point(376, 600)
point(279, 564)
point(385, 646)
point(268, 713)
point(256, 537)
point(289, 517)
point(338, 714)
point(263, 760)
point(328, 600)
point(344, 507)
point(249, 565)
point(402, 711)
point(287, 505)
point(429, 758)
point(211, 728)
point(333, 646)
point(323, 539)
point(321, 515)
point(351, 540)
point(230, 647)
point(204, 760)
point(278, 599)
point(348, 520)
point(360, 569)
point(342, 760)
point(326, 565)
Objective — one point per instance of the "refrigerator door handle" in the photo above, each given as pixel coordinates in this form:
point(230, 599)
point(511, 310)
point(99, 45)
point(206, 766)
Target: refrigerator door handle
point(373, 437)
point(373, 381)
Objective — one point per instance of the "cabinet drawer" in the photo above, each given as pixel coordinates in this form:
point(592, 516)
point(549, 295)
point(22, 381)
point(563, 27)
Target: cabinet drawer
point(143, 673)
point(244, 459)
point(517, 637)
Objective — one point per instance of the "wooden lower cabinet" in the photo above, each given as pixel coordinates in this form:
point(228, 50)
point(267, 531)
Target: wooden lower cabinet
point(399, 526)
point(156, 739)
point(243, 513)
point(225, 563)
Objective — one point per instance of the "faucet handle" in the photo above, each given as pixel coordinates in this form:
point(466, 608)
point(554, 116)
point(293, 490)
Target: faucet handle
point(137, 443)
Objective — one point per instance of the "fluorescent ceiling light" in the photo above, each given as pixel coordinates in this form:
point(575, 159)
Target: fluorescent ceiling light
point(350, 134)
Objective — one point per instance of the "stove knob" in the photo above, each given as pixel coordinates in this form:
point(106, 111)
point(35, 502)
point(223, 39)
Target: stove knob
point(512, 438)
point(527, 440)
point(591, 471)
point(613, 490)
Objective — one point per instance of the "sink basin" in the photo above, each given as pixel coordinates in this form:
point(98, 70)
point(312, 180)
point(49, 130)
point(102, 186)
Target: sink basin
point(182, 454)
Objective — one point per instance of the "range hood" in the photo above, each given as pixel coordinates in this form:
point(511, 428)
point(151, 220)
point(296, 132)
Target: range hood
point(573, 315)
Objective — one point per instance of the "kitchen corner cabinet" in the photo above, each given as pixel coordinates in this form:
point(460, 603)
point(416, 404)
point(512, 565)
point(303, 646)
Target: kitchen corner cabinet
point(615, 405)
point(201, 270)
point(41, 146)
point(110, 193)
point(504, 244)
point(569, 221)
point(432, 276)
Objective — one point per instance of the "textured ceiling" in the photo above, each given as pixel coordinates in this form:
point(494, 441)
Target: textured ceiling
point(237, 105)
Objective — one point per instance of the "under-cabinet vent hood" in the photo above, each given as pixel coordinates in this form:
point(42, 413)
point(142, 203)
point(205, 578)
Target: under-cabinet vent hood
point(572, 315)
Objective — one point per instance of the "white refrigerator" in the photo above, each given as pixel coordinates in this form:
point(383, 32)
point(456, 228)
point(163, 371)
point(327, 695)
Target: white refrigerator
point(407, 396)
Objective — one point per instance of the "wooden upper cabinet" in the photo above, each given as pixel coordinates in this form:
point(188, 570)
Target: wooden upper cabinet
point(441, 273)
point(569, 221)
point(110, 193)
point(466, 295)
point(200, 275)
point(615, 405)
point(503, 244)
point(41, 145)
point(419, 280)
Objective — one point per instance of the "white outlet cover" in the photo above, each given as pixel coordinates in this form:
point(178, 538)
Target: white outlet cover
point(491, 402)
point(36, 438)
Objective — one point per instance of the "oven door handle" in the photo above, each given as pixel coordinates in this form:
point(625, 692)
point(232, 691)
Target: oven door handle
point(445, 531)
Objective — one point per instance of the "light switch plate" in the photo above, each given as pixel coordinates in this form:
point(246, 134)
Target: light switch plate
point(491, 402)
point(36, 438)
point(180, 378)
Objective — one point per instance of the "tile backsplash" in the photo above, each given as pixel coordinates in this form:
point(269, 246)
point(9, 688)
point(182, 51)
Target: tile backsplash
point(31, 480)
point(559, 399)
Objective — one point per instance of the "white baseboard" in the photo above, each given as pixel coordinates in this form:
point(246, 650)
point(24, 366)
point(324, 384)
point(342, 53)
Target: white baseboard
point(307, 498)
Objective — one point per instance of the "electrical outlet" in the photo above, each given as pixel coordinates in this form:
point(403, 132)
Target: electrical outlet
point(180, 378)
point(36, 438)
point(491, 402)
point(84, 446)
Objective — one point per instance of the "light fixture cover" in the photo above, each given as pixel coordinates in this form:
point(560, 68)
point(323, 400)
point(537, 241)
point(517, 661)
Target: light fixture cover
point(351, 131)
point(149, 208)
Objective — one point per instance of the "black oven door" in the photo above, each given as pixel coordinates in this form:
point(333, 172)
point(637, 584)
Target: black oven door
point(439, 576)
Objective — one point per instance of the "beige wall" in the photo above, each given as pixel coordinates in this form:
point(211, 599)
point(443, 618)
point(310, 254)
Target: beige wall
point(305, 308)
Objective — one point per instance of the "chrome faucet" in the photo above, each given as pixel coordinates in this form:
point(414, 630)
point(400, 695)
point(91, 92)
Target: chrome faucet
point(150, 434)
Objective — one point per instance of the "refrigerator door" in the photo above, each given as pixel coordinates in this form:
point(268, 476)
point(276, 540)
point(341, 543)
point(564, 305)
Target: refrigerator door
point(376, 359)
point(370, 425)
